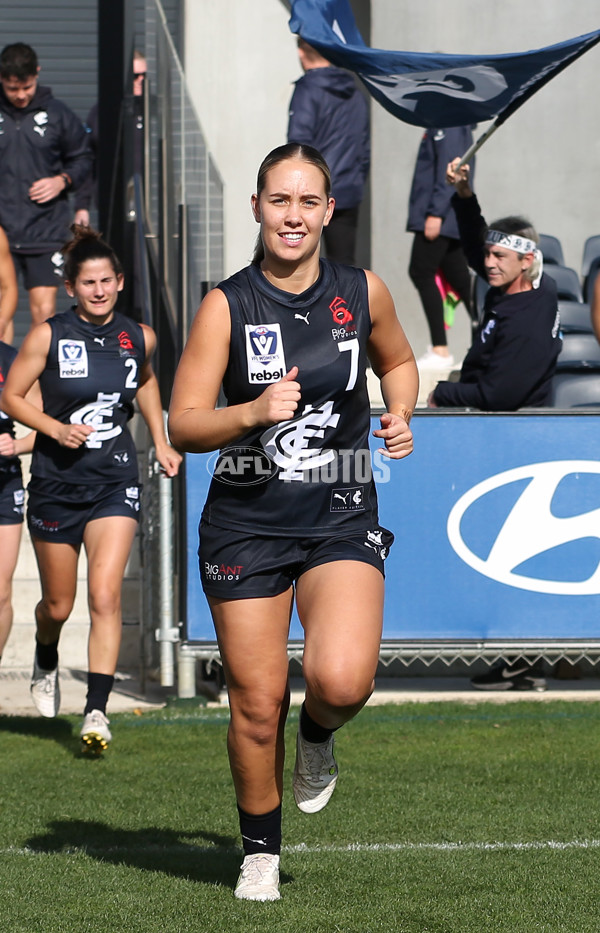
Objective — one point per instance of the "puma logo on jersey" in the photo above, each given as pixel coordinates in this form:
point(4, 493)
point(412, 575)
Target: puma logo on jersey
point(100, 340)
point(345, 500)
point(302, 317)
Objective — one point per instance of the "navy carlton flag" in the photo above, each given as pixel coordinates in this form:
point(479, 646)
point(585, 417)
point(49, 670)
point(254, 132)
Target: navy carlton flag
point(433, 90)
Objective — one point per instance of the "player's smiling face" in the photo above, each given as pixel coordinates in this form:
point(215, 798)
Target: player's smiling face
point(292, 210)
point(96, 289)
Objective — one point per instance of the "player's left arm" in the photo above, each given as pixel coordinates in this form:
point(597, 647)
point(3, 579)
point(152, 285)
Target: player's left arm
point(148, 399)
point(394, 364)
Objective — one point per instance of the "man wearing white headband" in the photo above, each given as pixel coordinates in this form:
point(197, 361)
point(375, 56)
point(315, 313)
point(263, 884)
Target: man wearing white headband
point(513, 357)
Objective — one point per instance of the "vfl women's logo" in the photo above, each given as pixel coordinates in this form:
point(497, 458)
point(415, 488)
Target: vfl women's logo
point(550, 513)
point(72, 359)
point(264, 343)
point(264, 353)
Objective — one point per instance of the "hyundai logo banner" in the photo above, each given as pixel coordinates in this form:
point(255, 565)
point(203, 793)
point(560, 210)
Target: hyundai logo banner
point(497, 525)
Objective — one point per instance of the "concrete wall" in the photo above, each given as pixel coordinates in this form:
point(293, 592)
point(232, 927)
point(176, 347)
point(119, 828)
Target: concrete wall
point(241, 63)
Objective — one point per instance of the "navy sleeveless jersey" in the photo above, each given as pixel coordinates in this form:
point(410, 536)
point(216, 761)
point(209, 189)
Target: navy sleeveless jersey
point(7, 355)
point(311, 475)
point(91, 377)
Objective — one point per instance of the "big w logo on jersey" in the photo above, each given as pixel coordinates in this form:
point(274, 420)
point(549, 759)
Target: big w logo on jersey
point(287, 443)
point(264, 353)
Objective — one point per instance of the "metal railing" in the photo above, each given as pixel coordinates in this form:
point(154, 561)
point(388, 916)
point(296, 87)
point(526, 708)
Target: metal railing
point(175, 208)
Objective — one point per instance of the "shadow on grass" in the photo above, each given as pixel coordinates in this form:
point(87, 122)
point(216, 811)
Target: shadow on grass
point(151, 849)
point(54, 730)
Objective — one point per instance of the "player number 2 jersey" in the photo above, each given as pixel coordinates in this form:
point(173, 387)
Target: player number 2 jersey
point(91, 377)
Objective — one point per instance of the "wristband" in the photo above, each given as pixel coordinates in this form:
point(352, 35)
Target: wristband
point(66, 180)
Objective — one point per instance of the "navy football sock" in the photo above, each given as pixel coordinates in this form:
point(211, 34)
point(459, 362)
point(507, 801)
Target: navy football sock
point(99, 687)
point(261, 834)
point(47, 655)
point(311, 730)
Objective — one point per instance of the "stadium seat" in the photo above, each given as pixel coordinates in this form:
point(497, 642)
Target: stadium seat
point(552, 250)
point(591, 251)
point(576, 390)
point(575, 317)
point(579, 352)
point(567, 282)
point(588, 289)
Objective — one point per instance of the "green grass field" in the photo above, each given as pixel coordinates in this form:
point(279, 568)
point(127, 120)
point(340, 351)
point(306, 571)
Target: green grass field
point(448, 818)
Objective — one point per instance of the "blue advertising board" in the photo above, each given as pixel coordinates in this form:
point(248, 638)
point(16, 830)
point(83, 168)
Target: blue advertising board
point(497, 525)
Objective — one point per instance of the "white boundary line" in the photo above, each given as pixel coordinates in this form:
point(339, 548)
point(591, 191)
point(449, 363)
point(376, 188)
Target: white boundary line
point(447, 846)
point(302, 848)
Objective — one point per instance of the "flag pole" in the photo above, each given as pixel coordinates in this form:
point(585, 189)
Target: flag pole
point(479, 143)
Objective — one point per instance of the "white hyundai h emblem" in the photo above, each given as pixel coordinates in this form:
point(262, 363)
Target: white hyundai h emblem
point(530, 528)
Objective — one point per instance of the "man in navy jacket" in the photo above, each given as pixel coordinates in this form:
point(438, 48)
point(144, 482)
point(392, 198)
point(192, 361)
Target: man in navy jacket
point(43, 152)
point(328, 111)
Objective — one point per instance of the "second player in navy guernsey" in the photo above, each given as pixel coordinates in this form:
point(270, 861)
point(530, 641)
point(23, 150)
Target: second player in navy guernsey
point(91, 362)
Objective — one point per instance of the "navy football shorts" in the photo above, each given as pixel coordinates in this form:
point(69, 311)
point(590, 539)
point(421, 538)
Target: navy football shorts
point(60, 511)
point(243, 565)
point(12, 499)
point(40, 269)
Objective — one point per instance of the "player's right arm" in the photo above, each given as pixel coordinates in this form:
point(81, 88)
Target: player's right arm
point(195, 424)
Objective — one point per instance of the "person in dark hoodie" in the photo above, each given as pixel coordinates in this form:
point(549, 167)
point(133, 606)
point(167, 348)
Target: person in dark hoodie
point(436, 244)
point(513, 357)
point(328, 112)
point(43, 153)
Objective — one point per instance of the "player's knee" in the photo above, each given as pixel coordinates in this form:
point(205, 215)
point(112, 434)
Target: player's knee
point(54, 610)
point(257, 718)
point(41, 309)
point(341, 690)
point(105, 603)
